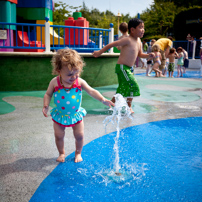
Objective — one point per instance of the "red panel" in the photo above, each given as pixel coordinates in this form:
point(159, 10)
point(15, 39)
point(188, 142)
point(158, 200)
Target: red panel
point(69, 33)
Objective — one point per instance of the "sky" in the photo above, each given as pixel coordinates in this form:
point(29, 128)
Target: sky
point(123, 6)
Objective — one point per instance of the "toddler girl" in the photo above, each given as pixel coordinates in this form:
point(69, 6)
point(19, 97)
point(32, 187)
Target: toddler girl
point(180, 61)
point(157, 60)
point(67, 91)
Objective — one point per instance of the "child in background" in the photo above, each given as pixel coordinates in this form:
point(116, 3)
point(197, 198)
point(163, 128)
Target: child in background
point(149, 60)
point(157, 60)
point(186, 60)
point(67, 90)
point(144, 49)
point(124, 31)
point(130, 49)
point(171, 66)
point(180, 61)
point(164, 72)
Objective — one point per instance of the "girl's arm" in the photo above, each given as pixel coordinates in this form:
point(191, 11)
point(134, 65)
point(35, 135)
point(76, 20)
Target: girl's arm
point(48, 96)
point(94, 93)
point(122, 42)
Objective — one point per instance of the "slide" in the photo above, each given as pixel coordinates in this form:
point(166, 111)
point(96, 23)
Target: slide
point(23, 40)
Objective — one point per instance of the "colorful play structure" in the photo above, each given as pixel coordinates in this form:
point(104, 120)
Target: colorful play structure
point(32, 38)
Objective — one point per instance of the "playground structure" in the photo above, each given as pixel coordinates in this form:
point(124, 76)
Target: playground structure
point(27, 26)
point(30, 34)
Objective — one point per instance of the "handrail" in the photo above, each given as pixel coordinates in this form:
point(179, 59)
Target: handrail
point(46, 37)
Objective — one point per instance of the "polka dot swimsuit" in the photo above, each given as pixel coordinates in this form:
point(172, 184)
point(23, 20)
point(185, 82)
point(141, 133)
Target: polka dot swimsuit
point(68, 110)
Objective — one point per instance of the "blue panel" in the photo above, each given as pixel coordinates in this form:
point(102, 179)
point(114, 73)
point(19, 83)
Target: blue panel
point(35, 4)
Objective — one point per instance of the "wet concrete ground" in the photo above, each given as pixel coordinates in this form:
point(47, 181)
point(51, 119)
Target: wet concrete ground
point(28, 151)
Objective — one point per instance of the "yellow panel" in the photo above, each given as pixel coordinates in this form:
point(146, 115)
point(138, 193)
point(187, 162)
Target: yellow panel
point(38, 33)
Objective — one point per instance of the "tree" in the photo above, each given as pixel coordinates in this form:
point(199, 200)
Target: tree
point(61, 12)
point(159, 18)
point(182, 3)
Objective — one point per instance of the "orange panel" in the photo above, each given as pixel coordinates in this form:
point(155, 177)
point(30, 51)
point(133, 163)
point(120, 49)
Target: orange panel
point(81, 35)
point(13, 1)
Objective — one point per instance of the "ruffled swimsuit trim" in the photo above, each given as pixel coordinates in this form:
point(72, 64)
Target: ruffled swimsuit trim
point(75, 85)
point(71, 125)
point(67, 112)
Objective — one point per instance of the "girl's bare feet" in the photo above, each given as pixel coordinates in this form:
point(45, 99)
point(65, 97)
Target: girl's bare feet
point(61, 158)
point(78, 158)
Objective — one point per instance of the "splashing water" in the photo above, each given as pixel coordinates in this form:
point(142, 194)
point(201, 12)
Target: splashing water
point(120, 111)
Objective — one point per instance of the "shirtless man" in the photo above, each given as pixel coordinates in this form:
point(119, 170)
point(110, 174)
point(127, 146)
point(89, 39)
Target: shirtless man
point(131, 47)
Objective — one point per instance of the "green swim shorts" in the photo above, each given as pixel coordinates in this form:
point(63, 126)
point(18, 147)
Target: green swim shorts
point(171, 67)
point(128, 86)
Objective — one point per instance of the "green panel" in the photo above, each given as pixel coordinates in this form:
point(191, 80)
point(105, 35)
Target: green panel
point(100, 71)
point(116, 50)
point(16, 77)
point(76, 15)
point(35, 13)
point(8, 13)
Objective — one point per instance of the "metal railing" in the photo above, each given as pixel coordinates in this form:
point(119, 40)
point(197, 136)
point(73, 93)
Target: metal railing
point(19, 36)
point(192, 47)
point(46, 37)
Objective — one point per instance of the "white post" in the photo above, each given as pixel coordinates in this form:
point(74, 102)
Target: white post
point(100, 40)
point(47, 35)
point(111, 37)
point(194, 50)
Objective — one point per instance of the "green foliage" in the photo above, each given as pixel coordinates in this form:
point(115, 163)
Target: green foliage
point(61, 12)
point(99, 19)
point(158, 19)
point(182, 28)
point(182, 3)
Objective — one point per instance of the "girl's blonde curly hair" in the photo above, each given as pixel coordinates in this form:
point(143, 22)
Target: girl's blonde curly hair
point(67, 58)
point(156, 48)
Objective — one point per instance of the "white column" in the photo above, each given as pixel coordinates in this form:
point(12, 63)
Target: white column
point(100, 40)
point(194, 50)
point(111, 37)
point(47, 35)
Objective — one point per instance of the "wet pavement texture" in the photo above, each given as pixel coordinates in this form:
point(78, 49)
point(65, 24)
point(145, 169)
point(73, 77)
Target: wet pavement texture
point(27, 146)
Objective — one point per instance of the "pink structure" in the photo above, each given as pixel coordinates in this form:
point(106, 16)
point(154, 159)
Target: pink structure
point(8, 41)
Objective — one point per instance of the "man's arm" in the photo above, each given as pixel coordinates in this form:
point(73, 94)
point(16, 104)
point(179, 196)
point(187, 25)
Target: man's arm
point(167, 51)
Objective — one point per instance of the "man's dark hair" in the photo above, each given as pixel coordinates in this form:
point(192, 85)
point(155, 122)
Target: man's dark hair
point(134, 23)
point(170, 37)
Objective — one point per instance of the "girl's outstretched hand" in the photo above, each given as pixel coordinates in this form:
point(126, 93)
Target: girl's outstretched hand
point(108, 103)
point(45, 111)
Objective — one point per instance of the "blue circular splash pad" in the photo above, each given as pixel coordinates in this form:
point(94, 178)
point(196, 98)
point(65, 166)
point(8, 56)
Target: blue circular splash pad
point(160, 161)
